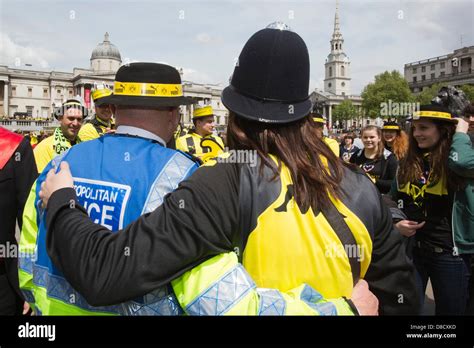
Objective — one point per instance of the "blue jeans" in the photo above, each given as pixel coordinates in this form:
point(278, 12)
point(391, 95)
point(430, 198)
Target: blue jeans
point(449, 277)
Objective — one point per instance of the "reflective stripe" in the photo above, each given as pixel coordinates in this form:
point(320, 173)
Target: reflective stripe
point(25, 263)
point(58, 288)
point(56, 161)
point(159, 302)
point(271, 302)
point(191, 145)
point(175, 171)
point(311, 296)
point(223, 294)
point(28, 294)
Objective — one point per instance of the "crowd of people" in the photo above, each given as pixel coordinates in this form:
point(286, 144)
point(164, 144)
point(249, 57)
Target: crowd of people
point(131, 213)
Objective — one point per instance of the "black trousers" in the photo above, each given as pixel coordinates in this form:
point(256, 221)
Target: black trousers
point(470, 303)
point(10, 302)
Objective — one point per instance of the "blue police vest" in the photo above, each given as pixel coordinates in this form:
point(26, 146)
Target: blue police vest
point(117, 178)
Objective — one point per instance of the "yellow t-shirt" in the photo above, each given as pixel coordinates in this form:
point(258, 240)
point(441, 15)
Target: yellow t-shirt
point(88, 132)
point(44, 153)
point(191, 143)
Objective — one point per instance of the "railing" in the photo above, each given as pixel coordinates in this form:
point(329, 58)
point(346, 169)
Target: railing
point(27, 125)
point(430, 60)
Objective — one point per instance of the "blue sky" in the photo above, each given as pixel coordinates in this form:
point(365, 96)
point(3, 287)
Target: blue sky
point(205, 37)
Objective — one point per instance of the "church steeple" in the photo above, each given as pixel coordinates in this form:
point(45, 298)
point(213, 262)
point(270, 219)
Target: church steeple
point(337, 39)
point(337, 65)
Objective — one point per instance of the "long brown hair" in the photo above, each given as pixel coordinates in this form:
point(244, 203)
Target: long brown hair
point(411, 167)
point(380, 145)
point(400, 144)
point(297, 145)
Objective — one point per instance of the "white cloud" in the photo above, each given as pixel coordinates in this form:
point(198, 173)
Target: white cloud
point(14, 54)
point(196, 76)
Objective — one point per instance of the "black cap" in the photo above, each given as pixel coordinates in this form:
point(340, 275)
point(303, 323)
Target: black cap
point(147, 84)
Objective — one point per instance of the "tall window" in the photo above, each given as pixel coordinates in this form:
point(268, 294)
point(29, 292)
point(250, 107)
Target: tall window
point(342, 70)
point(30, 92)
point(423, 68)
point(330, 71)
point(442, 65)
point(29, 110)
point(13, 91)
point(45, 93)
point(44, 112)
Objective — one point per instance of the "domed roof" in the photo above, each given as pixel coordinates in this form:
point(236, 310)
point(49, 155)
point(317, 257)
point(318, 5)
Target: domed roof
point(106, 50)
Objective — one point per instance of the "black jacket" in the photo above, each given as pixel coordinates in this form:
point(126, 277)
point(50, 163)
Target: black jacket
point(171, 240)
point(384, 171)
point(16, 179)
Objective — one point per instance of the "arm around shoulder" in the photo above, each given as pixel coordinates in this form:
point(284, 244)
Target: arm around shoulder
point(461, 155)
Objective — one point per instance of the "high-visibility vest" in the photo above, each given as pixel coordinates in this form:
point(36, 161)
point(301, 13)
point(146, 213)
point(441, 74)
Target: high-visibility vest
point(105, 191)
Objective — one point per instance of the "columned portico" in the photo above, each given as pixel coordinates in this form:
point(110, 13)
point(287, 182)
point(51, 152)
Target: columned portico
point(5, 98)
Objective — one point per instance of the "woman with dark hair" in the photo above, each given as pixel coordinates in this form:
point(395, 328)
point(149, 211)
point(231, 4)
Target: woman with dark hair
point(395, 139)
point(424, 190)
point(376, 161)
point(348, 148)
point(296, 216)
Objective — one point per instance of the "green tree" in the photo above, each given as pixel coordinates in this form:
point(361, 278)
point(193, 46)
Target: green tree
point(425, 96)
point(344, 111)
point(469, 90)
point(387, 86)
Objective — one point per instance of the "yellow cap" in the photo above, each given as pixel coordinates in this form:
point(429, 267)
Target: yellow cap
point(434, 115)
point(101, 93)
point(203, 112)
point(319, 120)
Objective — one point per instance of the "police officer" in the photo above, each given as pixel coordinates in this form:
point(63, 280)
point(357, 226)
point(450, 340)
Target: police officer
point(118, 177)
point(201, 141)
point(70, 116)
point(289, 218)
point(103, 121)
